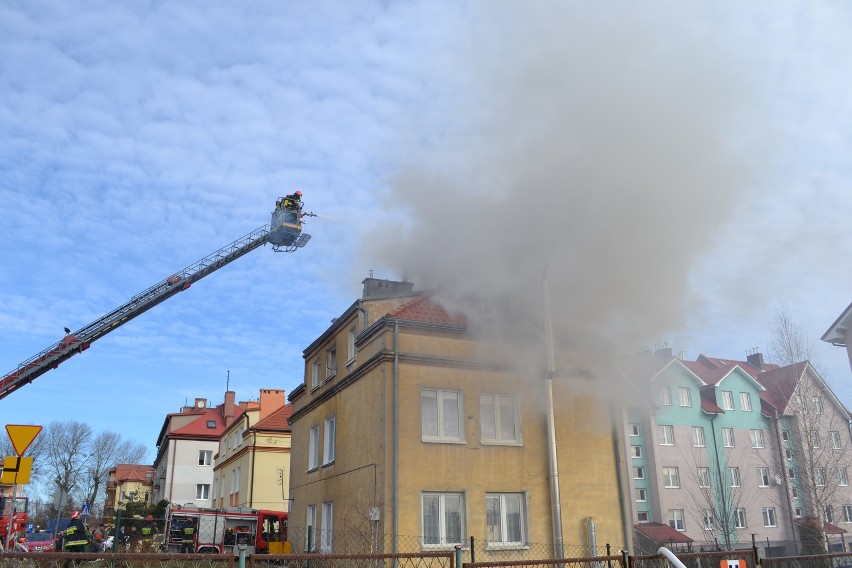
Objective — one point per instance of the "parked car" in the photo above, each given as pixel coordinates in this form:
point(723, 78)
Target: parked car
point(37, 542)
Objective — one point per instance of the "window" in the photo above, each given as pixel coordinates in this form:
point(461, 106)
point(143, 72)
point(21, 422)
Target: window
point(769, 517)
point(834, 437)
point(498, 419)
point(788, 453)
point(728, 437)
point(313, 448)
point(828, 513)
point(666, 435)
point(328, 441)
point(310, 527)
point(791, 473)
point(638, 473)
point(685, 396)
point(847, 513)
point(326, 527)
point(211, 424)
point(745, 401)
point(641, 495)
point(202, 491)
point(636, 451)
point(708, 520)
point(814, 439)
point(331, 363)
point(817, 405)
point(205, 457)
point(698, 436)
point(842, 476)
point(441, 415)
point(350, 346)
point(727, 400)
point(315, 374)
point(756, 438)
point(215, 488)
point(763, 477)
point(676, 519)
point(664, 394)
point(671, 477)
point(740, 518)
point(785, 435)
point(633, 429)
point(797, 511)
point(443, 518)
point(703, 477)
point(643, 517)
point(504, 518)
point(819, 476)
point(734, 475)
point(234, 497)
point(803, 404)
point(795, 492)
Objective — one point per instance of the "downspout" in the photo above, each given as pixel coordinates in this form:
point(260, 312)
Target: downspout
point(783, 461)
point(395, 436)
point(555, 499)
point(173, 442)
point(721, 481)
point(621, 479)
point(253, 456)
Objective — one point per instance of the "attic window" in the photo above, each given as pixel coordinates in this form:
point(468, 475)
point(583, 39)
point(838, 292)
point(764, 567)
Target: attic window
point(211, 423)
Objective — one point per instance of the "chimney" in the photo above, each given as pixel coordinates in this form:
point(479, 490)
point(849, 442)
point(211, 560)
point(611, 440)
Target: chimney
point(662, 353)
point(228, 411)
point(755, 358)
point(270, 401)
point(375, 289)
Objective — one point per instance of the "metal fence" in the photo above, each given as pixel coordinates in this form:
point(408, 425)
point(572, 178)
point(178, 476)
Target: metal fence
point(816, 561)
point(595, 562)
point(125, 560)
point(694, 559)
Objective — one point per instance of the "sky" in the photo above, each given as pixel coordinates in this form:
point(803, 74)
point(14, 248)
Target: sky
point(678, 170)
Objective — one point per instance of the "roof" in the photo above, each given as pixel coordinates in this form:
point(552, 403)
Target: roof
point(425, 309)
point(133, 472)
point(661, 533)
point(836, 334)
point(827, 528)
point(198, 428)
point(708, 401)
point(780, 384)
point(278, 420)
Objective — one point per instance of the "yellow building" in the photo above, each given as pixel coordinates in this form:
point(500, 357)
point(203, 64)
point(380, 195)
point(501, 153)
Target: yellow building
point(252, 466)
point(410, 424)
point(128, 483)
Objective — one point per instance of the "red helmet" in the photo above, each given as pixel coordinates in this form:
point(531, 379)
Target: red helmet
point(149, 518)
point(299, 193)
point(75, 514)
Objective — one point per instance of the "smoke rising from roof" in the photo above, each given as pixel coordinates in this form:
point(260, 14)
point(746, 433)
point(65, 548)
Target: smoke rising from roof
point(601, 147)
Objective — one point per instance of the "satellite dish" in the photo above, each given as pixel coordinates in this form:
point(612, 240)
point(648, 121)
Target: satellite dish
point(777, 479)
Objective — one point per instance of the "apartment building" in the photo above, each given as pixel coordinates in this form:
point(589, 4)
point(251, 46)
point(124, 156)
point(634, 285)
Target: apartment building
point(410, 424)
point(128, 483)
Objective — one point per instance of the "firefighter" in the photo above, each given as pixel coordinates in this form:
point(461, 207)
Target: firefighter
point(293, 201)
point(187, 543)
point(74, 538)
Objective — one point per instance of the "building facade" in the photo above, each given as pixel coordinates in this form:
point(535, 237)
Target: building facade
point(128, 483)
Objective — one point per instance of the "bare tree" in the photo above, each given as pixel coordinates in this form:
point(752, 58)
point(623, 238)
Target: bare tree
point(107, 450)
point(68, 453)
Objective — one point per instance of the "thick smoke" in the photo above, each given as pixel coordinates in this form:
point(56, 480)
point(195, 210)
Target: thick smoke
point(604, 148)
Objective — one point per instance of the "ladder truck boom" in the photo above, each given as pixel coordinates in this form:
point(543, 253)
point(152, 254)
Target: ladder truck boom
point(285, 235)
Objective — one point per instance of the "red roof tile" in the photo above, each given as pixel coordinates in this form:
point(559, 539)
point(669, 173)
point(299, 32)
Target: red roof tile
point(279, 420)
point(425, 309)
point(827, 527)
point(661, 533)
point(199, 428)
point(780, 383)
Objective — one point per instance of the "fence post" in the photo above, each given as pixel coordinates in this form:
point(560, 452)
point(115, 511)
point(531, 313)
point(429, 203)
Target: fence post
point(754, 549)
point(472, 551)
point(458, 555)
point(310, 544)
point(608, 553)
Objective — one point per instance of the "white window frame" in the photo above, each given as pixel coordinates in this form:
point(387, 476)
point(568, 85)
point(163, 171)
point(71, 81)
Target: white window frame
point(763, 477)
point(834, 437)
point(734, 476)
point(316, 380)
point(202, 491)
point(331, 363)
point(740, 518)
point(847, 513)
point(502, 501)
point(639, 472)
point(313, 448)
point(817, 404)
point(704, 477)
point(641, 495)
point(350, 346)
point(727, 400)
point(708, 520)
point(493, 420)
point(666, 433)
point(828, 513)
point(728, 437)
point(205, 458)
point(791, 473)
point(328, 440)
point(442, 424)
point(815, 441)
point(633, 429)
point(685, 396)
point(326, 527)
point(671, 477)
point(842, 477)
point(636, 452)
point(769, 518)
point(642, 517)
point(745, 402)
point(443, 539)
point(819, 476)
point(757, 440)
point(311, 527)
point(698, 439)
point(664, 395)
point(676, 520)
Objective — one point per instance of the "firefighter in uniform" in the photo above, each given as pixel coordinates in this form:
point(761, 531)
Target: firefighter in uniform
point(188, 540)
point(74, 538)
point(148, 530)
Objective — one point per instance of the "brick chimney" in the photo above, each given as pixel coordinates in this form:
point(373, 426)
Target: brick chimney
point(375, 288)
point(663, 353)
point(755, 359)
point(270, 401)
point(228, 411)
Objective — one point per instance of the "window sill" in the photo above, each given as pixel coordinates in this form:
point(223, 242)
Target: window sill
point(326, 464)
point(506, 546)
point(315, 387)
point(511, 443)
point(443, 441)
point(330, 376)
point(448, 546)
point(350, 362)
point(313, 469)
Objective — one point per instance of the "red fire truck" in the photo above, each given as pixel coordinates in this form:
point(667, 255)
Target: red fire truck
point(16, 510)
point(222, 531)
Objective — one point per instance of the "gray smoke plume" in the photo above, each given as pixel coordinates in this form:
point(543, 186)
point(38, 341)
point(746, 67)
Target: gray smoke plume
point(604, 147)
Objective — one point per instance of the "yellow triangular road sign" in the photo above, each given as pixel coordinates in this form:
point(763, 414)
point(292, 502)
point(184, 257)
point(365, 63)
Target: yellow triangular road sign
point(22, 436)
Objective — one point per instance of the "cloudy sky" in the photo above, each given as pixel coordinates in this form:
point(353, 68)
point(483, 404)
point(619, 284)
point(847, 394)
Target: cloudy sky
point(679, 170)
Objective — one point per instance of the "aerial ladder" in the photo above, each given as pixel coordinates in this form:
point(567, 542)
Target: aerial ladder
point(284, 233)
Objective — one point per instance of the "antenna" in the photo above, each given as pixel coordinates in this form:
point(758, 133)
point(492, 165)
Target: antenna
point(228, 381)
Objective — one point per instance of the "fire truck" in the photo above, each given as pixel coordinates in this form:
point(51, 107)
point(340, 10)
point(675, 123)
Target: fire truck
point(14, 509)
point(223, 531)
point(284, 233)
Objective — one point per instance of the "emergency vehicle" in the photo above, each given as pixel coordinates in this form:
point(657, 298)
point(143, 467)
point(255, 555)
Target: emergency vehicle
point(14, 508)
point(222, 531)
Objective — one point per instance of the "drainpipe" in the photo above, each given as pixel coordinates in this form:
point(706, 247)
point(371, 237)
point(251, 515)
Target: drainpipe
point(723, 499)
point(593, 537)
point(555, 499)
point(395, 436)
point(621, 478)
point(783, 461)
